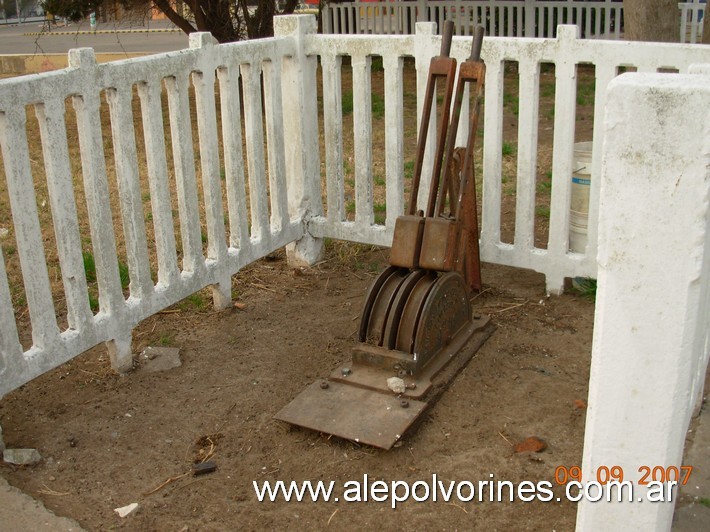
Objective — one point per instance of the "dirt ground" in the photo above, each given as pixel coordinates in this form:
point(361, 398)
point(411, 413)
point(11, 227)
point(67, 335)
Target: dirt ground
point(108, 441)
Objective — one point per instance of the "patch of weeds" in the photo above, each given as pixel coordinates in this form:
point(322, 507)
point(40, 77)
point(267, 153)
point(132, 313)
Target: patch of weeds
point(378, 106)
point(543, 211)
point(93, 302)
point(544, 187)
point(512, 102)
point(10, 250)
point(347, 103)
point(348, 168)
point(203, 236)
point(547, 90)
point(380, 213)
point(377, 101)
point(585, 93)
point(166, 339)
point(551, 113)
point(194, 302)
point(377, 65)
point(89, 266)
point(123, 275)
point(705, 501)
point(350, 207)
point(222, 174)
point(508, 149)
point(379, 180)
point(409, 169)
point(146, 196)
point(585, 287)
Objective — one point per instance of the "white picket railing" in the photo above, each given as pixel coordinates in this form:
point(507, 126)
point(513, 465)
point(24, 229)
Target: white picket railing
point(506, 18)
point(502, 18)
point(565, 52)
point(276, 212)
point(691, 20)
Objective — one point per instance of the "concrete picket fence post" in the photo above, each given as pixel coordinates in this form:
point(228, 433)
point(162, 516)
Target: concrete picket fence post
point(652, 320)
point(300, 126)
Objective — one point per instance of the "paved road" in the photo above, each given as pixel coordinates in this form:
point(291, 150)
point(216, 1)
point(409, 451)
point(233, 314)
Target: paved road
point(15, 39)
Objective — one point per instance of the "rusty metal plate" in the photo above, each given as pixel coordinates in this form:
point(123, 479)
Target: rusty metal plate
point(407, 241)
point(352, 413)
point(438, 250)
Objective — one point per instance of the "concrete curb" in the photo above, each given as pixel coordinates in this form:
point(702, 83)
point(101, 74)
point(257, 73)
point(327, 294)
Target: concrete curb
point(19, 511)
point(98, 32)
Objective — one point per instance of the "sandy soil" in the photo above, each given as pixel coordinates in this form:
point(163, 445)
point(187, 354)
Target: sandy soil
point(108, 441)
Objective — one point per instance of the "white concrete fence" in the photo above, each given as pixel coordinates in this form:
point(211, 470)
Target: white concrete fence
point(279, 179)
point(501, 18)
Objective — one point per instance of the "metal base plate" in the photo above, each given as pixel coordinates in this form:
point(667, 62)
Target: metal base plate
point(341, 409)
point(361, 408)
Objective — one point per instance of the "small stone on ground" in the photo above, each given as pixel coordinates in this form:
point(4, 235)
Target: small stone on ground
point(154, 359)
point(21, 456)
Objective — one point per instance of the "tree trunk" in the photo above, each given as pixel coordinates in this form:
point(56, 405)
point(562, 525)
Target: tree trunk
point(706, 26)
point(652, 20)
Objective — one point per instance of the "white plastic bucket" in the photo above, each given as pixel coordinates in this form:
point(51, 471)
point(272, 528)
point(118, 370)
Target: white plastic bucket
point(579, 203)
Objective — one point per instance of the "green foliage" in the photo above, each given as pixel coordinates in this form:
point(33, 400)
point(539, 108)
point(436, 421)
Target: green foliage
point(89, 267)
point(123, 274)
point(585, 287)
point(378, 104)
point(409, 169)
point(74, 10)
point(543, 211)
point(380, 210)
point(508, 149)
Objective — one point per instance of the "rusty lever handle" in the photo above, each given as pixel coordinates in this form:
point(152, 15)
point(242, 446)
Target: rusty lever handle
point(477, 43)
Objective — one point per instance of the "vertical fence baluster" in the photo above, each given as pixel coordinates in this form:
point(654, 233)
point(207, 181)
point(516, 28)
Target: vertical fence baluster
point(394, 136)
point(275, 140)
point(64, 215)
point(96, 189)
point(333, 129)
point(233, 155)
point(492, 156)
point(251, 74)
point(362, 133)
point(12, 361)
point(527, 155)
point(125, 156)
point(186, 181)
point(30, 247)
point(563, 146)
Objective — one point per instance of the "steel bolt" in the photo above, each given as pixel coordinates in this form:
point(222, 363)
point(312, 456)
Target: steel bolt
point(346, 372)
point(411, 386)
point(324, 385)
point(404, 403)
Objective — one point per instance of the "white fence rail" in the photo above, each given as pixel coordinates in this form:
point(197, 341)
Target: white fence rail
point(565, 52)
point(273, 219)
point(691, 21)
point(506, 18)
point(501, 18)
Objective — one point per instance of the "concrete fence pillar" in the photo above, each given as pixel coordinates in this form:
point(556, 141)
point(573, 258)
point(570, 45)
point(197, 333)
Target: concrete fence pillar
point(300, 119)
point(653, 301)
